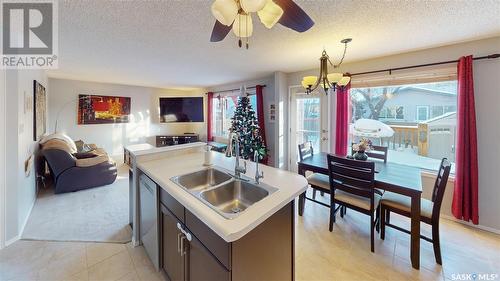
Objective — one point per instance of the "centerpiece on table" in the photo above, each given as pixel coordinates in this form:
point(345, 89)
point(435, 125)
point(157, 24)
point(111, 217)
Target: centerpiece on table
point(361, 148)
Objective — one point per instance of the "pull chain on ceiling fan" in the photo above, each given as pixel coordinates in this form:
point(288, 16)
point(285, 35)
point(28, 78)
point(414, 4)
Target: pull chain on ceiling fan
point(237, 15)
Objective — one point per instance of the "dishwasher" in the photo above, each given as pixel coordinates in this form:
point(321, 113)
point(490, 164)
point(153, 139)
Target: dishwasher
point(148, 196)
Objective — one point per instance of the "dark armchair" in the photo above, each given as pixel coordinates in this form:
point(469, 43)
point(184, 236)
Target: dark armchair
point(72, 174)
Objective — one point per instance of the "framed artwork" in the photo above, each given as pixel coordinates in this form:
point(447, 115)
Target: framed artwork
point(96, 109)
point(40, 110)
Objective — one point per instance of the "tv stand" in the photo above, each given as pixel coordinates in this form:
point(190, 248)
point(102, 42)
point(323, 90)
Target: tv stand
point(168, 140)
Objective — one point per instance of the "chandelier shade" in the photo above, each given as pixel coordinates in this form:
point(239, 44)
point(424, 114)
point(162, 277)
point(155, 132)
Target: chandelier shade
point(310, 80)
point(270, 14)
point(344, 81)
point(225, 11)
point(334, 77)
point(252, 6)
point(327, 80)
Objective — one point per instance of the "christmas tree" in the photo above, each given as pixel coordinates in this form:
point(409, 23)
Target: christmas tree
point(245, 124)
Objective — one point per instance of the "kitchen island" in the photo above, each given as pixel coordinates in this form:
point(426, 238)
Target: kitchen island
point(193, 238)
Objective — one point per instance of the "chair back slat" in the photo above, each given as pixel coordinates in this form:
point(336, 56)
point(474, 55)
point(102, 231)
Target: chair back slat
point(377, 152)
point(305, 150)
point(440, 186)
point(352, 176)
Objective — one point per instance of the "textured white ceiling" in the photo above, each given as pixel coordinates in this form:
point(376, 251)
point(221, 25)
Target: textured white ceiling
point(166, 43)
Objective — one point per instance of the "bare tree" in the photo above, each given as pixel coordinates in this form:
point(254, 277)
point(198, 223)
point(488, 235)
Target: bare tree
point(375, 100)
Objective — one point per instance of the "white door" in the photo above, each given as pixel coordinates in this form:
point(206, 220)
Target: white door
point(308, 122)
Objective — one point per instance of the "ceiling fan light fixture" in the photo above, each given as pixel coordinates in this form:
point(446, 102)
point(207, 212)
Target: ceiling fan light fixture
point(225, 11)
point(252, 6)
point(243, 26)
point(270, 14)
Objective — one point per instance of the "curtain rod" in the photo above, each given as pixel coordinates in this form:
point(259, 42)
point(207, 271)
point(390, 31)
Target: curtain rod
point(232, 90)
point(390, 70)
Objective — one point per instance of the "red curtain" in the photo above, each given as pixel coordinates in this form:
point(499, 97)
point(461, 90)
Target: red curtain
point(465, 195)
point(210, 105)
point(260, 116)
point(342, 120)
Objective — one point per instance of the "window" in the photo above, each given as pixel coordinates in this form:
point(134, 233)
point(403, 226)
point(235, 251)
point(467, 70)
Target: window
point(422, 113)
point(392, 112)
point(439, 110)
point(223, 110)
point(418, 134)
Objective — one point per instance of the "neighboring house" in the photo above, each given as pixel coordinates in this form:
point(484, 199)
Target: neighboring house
point(411, 105)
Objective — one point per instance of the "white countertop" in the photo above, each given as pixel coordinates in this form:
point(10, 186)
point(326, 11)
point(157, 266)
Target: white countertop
point(289, 186)
point(146, 148)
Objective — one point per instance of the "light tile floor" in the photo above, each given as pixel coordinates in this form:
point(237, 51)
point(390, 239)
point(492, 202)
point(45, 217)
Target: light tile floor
point(343, 254)
point(42, 260)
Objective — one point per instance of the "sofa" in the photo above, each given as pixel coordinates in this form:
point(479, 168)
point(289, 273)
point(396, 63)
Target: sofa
point(74, 170)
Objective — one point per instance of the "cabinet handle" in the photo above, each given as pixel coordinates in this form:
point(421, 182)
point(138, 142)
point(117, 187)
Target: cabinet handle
point(183, 252)
point(179, 242)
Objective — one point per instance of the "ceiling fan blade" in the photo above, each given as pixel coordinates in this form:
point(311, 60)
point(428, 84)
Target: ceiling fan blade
point(220, 31)
point(293, 16)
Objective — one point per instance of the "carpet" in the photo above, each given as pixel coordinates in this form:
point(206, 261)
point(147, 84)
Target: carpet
point(98, 214)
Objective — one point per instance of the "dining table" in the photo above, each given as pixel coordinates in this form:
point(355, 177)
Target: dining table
point(392, 177)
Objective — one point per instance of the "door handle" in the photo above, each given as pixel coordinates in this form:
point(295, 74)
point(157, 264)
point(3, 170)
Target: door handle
point(324, 138)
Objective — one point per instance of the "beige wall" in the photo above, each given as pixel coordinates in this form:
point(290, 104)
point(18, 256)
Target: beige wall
point(20, 189)
point(487, 94)
point(144, 123)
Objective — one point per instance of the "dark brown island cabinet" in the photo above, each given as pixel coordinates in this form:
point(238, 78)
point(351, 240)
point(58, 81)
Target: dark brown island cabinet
point(190, 250)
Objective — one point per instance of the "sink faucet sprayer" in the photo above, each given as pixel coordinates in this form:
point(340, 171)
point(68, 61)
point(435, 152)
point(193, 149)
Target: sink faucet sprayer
point(258, 175)
point(237, 168)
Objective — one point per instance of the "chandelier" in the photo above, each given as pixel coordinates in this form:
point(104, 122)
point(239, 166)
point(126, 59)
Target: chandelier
point(334, 81)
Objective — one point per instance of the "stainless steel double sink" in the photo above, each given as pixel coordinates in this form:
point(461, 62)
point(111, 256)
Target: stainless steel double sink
point(221, 191)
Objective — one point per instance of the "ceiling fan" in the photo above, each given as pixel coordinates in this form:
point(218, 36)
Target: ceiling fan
point(237, 15)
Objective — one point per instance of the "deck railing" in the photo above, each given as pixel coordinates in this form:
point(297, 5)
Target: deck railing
point(409, 136)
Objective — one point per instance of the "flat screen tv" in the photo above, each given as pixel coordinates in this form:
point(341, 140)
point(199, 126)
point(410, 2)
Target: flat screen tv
point(182, 109)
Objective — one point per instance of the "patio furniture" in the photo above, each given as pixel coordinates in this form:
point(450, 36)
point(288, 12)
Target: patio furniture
point(316, 181)
point(397, 178)
point(352, 183)
point(430, 209)
point(371, 129)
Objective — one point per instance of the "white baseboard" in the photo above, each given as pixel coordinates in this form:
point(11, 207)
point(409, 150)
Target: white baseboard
point(27, 218)
point(12, 240)
point(482, 227)
point(18, 237)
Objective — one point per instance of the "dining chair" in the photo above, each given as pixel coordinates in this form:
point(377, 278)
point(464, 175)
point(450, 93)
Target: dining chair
point(316, 181)
point(429, 209)
point(352, 185)
point(377, 152)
